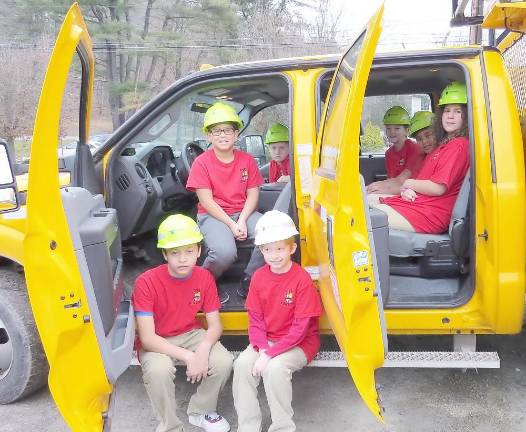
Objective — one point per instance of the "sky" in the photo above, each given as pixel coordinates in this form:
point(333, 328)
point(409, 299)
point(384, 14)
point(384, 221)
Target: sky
point(407, 23)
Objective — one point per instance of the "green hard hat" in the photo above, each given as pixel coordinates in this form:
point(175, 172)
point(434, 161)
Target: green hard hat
point(454, 93)
point(277, 133)
point(396, 116)
point(178, 230)
point(221, 113)
point(420, 120)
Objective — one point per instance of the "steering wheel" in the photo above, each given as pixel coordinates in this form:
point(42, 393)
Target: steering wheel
point(188, 156)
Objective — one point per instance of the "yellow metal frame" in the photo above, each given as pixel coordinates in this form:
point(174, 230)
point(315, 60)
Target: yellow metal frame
point(77, 378)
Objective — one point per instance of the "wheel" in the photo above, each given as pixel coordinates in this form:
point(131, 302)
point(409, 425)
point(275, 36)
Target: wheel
point(23, 365)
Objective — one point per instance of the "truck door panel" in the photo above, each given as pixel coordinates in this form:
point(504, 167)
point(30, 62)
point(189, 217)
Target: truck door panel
point(72, 254)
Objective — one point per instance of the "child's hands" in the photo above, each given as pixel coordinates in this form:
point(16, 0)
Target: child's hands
point(196, 366)
point(236, 230)
point(260, 364)
point(242, 225)
point(375, 187)
point(407, 194)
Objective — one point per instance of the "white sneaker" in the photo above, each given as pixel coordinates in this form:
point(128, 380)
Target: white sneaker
point(211, 422)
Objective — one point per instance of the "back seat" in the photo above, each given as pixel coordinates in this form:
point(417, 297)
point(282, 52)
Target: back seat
point(434, 255)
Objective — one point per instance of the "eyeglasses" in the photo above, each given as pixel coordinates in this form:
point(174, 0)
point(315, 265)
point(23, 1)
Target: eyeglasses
point(227, 131)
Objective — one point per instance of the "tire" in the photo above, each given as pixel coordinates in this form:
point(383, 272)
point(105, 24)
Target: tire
point(23, 365)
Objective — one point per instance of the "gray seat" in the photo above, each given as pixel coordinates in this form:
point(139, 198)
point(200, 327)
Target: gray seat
point(439, 253)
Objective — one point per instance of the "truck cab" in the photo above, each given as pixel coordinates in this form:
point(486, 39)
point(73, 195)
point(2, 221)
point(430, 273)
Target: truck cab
point(373, 281)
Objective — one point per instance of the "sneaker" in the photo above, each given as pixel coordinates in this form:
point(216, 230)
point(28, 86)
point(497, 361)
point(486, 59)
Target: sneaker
point(211, 422)
point(242, 289)
point(223, 296)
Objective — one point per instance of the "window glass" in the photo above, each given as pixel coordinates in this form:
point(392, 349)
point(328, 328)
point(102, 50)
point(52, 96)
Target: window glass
point(336, 108)
point(373, 139)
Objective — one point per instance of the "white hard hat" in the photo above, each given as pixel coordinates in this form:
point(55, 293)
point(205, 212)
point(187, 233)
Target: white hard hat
point(274, 226)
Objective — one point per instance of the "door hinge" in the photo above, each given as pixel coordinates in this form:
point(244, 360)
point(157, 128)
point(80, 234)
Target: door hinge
point(484, 235)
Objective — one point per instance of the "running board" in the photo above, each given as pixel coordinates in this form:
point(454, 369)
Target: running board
point(420, 359)
point(407, 359)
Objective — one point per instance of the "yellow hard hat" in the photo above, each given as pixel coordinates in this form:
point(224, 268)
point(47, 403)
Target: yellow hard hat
point(221, 113)
point(178, 230)
point(277, 133)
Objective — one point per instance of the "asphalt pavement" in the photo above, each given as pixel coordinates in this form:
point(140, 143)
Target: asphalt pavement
point(420, 400)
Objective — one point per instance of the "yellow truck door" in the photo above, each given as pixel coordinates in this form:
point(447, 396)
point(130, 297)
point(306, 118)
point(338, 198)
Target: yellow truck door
point(72, 254)
point(340, 223)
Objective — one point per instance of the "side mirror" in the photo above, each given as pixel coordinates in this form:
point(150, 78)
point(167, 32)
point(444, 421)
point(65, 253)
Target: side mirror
point(8, 195)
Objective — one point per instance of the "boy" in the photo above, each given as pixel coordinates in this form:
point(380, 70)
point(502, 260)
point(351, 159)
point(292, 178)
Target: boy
point(403, 158)
point(283, 308)
point(277, 139)
point(166, 300)
point(226, 182)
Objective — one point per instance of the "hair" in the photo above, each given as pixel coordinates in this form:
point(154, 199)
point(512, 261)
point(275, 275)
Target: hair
point(440, 134)
point(290, 241)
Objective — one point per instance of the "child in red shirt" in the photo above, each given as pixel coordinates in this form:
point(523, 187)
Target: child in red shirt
point(226, 182)
point(283, 308)
point(403, 158)
point(426, 202)
point(277, 139)
point(166, 301)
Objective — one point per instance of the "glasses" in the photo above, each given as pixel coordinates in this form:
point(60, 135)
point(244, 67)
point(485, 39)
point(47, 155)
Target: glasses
point(227, 131)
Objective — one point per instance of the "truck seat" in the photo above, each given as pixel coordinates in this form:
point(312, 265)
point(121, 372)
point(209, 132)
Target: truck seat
point(447, 252)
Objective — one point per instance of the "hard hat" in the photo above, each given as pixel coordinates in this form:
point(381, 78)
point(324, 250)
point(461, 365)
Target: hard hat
point(274, 226)
point(396, 116)
point(454, 93)
point(178, 230)
point(277, 133)
point(420, 120)
point(221, 113)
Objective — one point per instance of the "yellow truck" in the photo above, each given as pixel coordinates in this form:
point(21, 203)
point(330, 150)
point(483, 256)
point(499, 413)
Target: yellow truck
point(373, 281)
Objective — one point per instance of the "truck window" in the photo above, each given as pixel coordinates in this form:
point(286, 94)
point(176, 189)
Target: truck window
point(373, 139)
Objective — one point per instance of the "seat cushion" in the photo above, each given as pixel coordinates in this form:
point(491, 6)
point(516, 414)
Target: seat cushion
point(406, 244)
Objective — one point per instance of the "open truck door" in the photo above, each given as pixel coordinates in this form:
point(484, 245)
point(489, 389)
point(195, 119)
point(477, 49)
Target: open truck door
point(72, 253)
point(348, 278)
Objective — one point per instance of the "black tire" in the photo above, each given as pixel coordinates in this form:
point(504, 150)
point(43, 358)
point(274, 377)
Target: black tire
point(28, 368)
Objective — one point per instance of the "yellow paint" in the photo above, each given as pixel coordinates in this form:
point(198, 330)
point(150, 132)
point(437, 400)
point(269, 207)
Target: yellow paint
point(347, 290)
point(511, 16)
point(77, 378)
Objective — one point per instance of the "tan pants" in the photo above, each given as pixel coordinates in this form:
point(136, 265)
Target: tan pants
point(395, 219)
point(277, 380)
point(158, 374)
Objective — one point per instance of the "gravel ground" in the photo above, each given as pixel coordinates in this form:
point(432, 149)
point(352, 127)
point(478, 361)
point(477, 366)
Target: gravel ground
point(417, 400)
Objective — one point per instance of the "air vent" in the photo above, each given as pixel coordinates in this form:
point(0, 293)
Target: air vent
point(141, 172)
point(123, 182)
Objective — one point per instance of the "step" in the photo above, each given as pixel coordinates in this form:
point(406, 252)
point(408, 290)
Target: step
point(408, 359)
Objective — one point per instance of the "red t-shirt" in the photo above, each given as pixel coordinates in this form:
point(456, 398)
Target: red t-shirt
point(409, 157)
point(448, 164)
point(227, 181)
point(282, 297)
point(174, 303)
point(276, 170)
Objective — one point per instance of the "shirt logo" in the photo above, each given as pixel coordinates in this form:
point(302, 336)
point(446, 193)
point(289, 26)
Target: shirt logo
point(401, 162)
point(197, 297)
point(288, 299)
point(244, 174)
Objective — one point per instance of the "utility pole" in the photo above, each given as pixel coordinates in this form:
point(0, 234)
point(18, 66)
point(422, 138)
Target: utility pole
point(475, 31)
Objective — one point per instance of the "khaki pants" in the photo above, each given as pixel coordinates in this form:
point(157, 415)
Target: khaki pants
point(158, 374)
point(395, 219)
point(277, 380)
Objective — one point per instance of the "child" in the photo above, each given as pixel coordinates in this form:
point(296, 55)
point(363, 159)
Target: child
point(283, 308)
point(227, 184)
point(277, 139)
point(166, 300)
point(403, 158)
point(421, 130)
point(426, 202)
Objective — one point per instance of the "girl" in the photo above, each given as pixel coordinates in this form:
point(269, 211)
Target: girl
point(426, 202)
